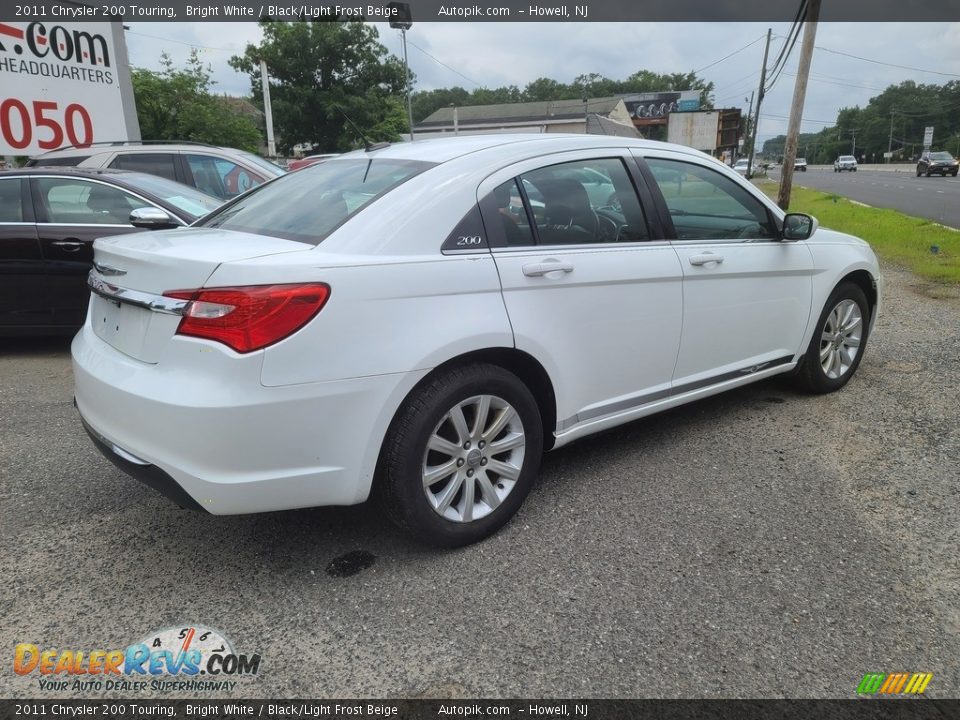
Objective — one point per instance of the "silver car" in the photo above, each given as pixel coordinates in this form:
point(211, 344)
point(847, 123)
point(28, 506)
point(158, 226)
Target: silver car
point(217, 171)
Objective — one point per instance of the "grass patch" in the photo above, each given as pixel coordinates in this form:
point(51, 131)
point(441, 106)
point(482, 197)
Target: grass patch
point(896, 238)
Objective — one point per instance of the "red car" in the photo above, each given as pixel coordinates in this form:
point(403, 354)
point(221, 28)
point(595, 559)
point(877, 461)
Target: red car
point(308, 161)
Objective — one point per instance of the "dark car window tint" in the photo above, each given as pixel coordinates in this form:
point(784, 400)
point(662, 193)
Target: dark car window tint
point(706, 205)
point(587, 201)
point(220, 177)
point(11, 207)
point(162, 164)
point(67, 200)
point(308, 204)
point(71, 161)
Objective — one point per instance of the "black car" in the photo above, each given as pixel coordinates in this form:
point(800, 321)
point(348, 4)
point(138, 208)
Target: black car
point(937, 163)
point(49, 218)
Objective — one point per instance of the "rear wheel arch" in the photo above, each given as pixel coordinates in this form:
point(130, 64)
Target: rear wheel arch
point(527, 368)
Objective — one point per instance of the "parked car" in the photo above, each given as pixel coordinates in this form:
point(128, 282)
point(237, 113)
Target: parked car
point(937, 163)
point(49, 218)
point(800, 165)
point(404, 322)
point(216, 171)
point(742, 166)
point(309, 160)
point(845, 162)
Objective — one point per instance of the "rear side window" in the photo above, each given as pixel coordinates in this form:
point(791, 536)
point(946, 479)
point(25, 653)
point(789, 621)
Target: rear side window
point(309, 204)
point(11, 206)
point(162, 164)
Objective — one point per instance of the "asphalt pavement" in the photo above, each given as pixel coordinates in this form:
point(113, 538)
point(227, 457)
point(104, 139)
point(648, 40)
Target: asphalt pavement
point(761, 543)
point(934, 198)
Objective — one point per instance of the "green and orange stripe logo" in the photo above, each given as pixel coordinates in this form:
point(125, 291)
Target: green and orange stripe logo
point(894, 683)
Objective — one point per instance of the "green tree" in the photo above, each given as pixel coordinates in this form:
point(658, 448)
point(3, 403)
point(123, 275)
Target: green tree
point(321, 71)
point(176, 104)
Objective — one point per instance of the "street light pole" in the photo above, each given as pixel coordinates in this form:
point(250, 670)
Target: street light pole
point(402, 20)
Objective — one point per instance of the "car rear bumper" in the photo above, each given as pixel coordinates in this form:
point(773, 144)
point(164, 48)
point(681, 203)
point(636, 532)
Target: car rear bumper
point(230, 445)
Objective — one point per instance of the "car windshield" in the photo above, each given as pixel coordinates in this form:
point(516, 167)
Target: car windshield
point(847, 158)
point(260, 162)
point(941, 156)
point(181, 196)
point(309, 204)
point(801, 160)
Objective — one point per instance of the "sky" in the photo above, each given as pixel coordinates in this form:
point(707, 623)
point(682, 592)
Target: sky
point(495, 54)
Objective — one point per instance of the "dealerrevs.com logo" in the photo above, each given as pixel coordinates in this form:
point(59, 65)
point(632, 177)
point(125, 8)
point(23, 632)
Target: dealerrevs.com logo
point(55, 42)
point(188, 659)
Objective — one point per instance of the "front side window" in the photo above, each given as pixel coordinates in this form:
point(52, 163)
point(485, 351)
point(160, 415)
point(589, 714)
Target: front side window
point(220, 177)
point(11, 204)
point(309, 204)
point(574, 203)
point(75, 201)
point(706, 205)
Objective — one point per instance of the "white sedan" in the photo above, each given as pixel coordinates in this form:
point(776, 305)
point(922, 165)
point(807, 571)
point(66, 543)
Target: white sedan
point(423, 321)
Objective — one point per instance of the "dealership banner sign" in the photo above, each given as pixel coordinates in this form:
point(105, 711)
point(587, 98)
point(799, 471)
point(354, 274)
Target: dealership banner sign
point(63, 83)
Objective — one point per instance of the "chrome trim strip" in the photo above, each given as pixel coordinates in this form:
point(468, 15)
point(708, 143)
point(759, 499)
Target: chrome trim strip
point(117, 294)
point(641, 400)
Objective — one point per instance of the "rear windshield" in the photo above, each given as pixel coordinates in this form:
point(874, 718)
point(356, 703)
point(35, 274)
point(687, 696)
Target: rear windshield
point(309, 204)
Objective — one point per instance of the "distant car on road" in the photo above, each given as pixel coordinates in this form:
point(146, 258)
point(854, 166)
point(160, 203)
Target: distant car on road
point(939, 163)
point(742, 166)
point(49, 218)
point(845, 162)
point(221, 172)
point(800, 165)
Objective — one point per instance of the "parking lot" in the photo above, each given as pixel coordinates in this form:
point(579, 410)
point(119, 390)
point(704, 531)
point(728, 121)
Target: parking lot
point(760, 543)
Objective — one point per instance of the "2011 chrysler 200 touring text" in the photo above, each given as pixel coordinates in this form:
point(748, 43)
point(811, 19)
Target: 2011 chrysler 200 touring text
point(422, 321)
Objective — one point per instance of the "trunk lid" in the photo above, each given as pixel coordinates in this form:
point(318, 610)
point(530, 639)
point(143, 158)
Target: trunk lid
point(133, 270)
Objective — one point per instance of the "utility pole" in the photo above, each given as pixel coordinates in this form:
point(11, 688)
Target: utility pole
point(756, 118)
point(749, 115)
point(267, 108)
point(890, 140)
point(796, 110)
point(402, 20)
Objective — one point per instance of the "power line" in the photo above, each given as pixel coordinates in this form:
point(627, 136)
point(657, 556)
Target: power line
point(480, 85)
point(188, 44)
point(881, 62)
point(793, 33)
point(727, 57)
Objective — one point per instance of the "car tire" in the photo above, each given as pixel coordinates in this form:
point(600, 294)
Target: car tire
point(919, 172)
point(838, 341)
point(449, 430)
point(929, 173)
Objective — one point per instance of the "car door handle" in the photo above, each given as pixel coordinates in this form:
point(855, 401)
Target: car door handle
point(705, 258)
point(68, 245)
point(543, 268)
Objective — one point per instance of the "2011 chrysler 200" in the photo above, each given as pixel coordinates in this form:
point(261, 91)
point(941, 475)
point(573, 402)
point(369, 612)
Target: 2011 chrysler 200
point(422, 321)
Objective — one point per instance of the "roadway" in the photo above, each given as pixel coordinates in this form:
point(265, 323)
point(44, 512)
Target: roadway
point(934, 198)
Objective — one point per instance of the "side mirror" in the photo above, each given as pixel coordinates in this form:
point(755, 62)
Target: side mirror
point(151, 218)
point(798, 226)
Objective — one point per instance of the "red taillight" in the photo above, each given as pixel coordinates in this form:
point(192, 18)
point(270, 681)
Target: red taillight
point(249, 318)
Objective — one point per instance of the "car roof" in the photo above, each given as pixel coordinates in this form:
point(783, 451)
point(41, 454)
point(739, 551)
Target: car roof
point(439, 150)
point(67, 170)
point(131, 147)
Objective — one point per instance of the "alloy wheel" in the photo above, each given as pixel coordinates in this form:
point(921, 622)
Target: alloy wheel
point(473, 458)
point(840, 339)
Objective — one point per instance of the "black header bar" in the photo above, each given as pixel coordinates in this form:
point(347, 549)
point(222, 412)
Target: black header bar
point(859, 11)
